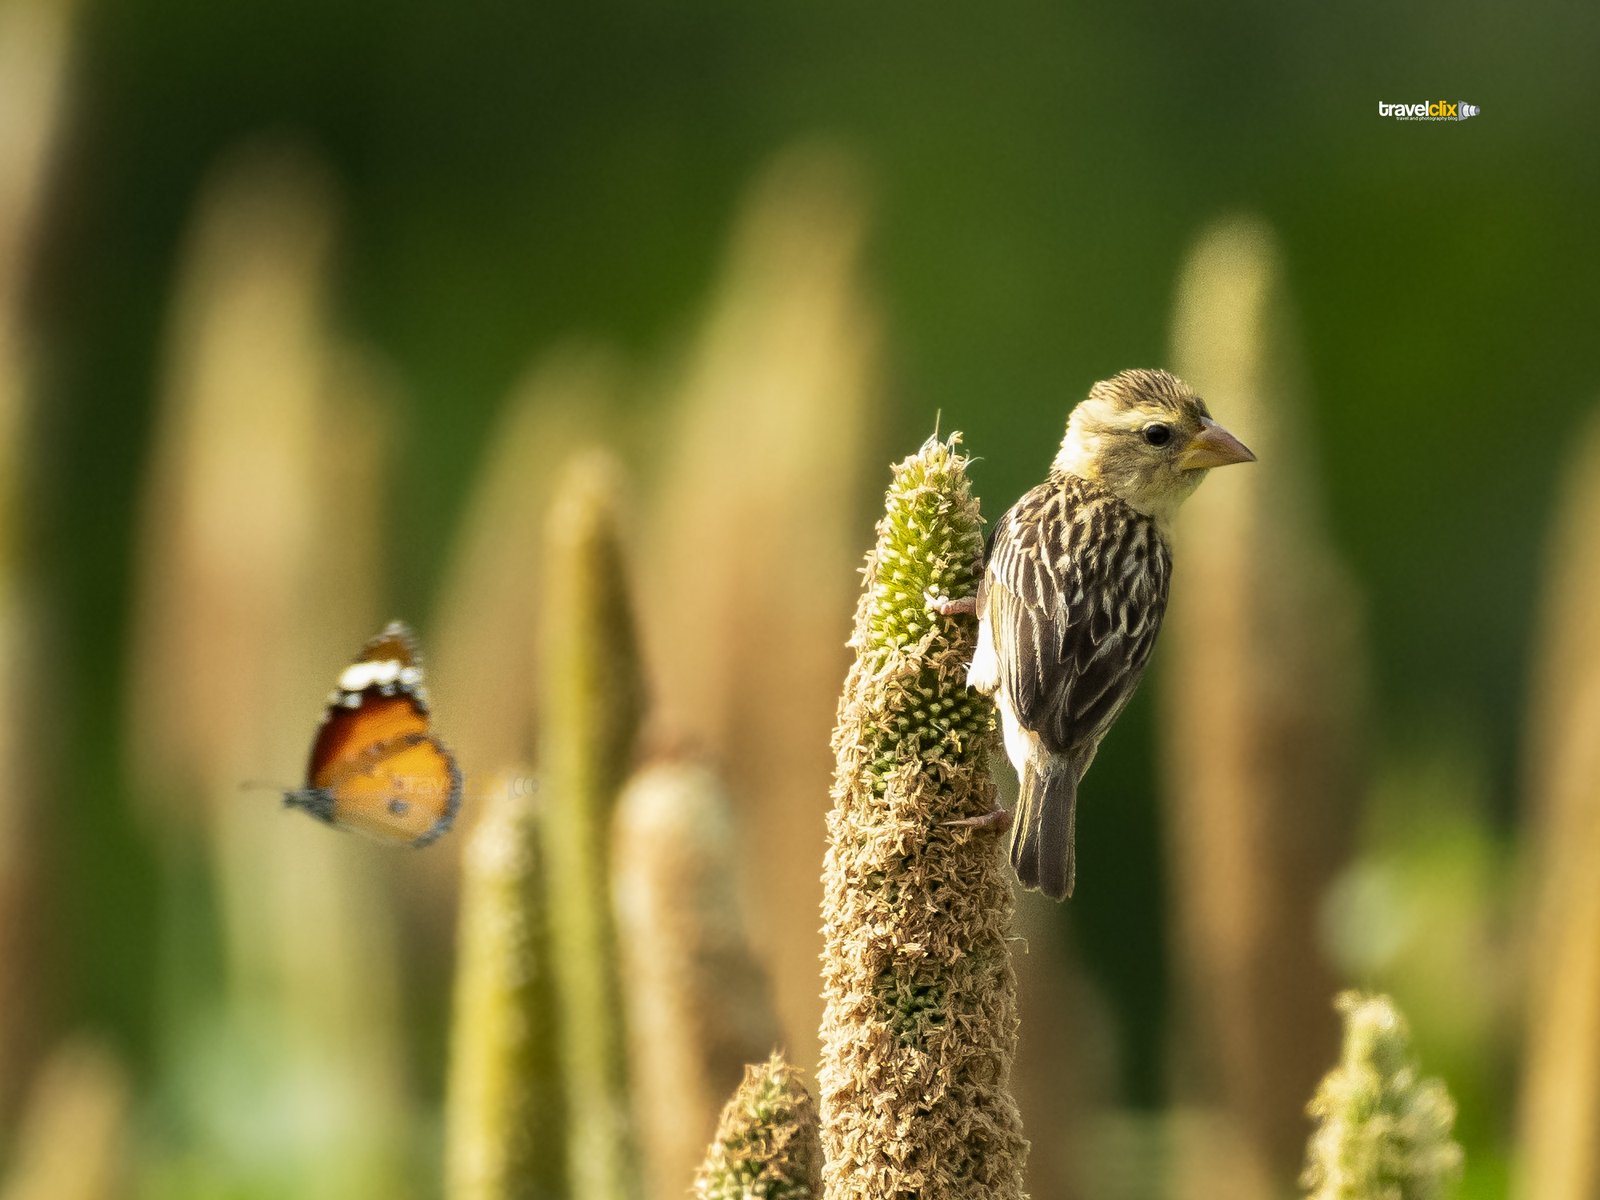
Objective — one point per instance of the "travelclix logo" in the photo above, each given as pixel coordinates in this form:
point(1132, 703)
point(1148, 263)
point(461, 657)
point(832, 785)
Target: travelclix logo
point(1429, 110)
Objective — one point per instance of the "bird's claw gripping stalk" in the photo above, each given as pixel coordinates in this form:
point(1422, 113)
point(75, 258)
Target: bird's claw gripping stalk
point(946, 607)
point(999, 820)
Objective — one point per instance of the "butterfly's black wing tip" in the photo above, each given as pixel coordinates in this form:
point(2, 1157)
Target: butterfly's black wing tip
point(452, 804)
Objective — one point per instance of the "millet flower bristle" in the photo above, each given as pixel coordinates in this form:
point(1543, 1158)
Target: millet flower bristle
point(930, 547)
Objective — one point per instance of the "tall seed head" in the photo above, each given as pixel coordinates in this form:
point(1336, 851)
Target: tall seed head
point(593, 702)
point(698, 1002)
point(920, 1026)
point(504, 1112)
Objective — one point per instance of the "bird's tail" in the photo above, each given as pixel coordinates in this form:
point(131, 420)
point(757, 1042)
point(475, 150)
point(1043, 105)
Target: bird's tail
point(1043, 827)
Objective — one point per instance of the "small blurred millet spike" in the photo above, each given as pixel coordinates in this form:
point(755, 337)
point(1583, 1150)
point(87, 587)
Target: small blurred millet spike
point(503, 1122)
point(766, 1143)
point(36, 63)
point(75, 1136)
point(1261, 692)
point(592, 704)
point(1383, 1131)
point(920, 1027)
point(698, 1002)
point(1559, 1107)
point(775, 414)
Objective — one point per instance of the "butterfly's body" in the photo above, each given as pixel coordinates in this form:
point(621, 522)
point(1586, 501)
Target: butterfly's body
point(375, 766)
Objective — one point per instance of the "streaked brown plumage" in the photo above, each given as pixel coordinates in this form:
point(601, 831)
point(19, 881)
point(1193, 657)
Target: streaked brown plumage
point(1074, 591)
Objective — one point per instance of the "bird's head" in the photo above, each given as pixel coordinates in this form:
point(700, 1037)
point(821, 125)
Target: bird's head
point(1147, 438)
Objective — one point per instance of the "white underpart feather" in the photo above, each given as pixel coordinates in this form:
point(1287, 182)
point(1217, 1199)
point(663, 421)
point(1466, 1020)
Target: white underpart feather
point(984, 673)
point(1021, 744)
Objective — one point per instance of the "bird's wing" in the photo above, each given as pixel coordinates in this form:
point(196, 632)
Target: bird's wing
point(1074, 593)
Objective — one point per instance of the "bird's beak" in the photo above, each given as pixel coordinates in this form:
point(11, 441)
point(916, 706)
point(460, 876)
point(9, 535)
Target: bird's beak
point(1213, 446)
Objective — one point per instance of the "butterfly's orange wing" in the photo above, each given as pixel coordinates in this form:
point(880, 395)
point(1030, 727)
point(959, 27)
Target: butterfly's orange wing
point(348, 731)
point(404, 789)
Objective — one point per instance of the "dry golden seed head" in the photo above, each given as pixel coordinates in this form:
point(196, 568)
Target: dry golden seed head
point(921, 1005)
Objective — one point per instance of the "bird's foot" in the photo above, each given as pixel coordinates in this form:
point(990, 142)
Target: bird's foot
point(946, 607)
point(998, 820)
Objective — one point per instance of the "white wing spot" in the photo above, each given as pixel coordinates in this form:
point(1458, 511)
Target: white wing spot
point(362, 675)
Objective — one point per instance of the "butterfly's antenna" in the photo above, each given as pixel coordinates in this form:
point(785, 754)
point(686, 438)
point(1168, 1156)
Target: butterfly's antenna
point(257, 785)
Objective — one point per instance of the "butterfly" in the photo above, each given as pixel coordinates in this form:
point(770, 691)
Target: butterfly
point(375, 767)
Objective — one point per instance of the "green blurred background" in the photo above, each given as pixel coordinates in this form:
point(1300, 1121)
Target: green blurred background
point(509, 175)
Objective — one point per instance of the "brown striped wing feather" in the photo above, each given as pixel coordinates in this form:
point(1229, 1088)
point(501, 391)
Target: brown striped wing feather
point(1075, 591)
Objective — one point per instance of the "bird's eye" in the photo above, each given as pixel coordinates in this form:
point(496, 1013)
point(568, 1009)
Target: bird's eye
point(1157, 435)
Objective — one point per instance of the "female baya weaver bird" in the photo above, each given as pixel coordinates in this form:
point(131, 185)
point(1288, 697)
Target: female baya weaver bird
point(1074, 591)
